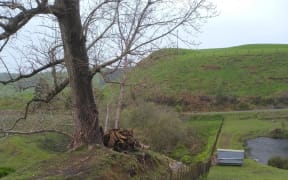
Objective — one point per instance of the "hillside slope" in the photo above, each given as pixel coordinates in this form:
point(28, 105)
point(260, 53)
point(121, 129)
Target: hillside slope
point(242, 77)
point(44, 156)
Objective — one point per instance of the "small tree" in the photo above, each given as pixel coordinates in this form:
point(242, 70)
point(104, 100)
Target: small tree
point(92, 35)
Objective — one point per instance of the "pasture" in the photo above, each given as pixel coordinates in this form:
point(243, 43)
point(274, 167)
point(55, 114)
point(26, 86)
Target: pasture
point(239, 127)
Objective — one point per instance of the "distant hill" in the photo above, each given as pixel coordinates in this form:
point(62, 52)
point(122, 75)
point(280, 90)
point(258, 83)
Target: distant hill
point(241, 77)
point(5, 76)
point(13, 89)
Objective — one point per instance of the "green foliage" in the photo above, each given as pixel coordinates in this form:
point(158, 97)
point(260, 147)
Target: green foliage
point(159, 128)
point(206, 127)
point(187, 159)
point(4, 171)
point(179, 108)
point(182, 153)
point(279, 162)
point(279, 133)
point(243, 106)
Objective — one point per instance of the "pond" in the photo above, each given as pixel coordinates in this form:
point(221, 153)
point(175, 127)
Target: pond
point(264, 148)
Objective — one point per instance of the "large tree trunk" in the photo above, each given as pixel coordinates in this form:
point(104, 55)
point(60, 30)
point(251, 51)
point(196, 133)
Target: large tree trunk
point(85, 111)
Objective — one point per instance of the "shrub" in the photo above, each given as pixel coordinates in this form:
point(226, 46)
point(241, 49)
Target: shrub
point(187, 159)
point(180, 151)
point(179, 108)
point(279, 133)
point(157, 126)
point(243, 106)
point(278, 162)
point(4, 171)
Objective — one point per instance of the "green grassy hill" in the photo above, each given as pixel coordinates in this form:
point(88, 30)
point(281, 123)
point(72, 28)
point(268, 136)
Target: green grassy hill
point(246, 76)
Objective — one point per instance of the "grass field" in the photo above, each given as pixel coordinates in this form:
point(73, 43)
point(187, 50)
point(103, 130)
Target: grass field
point(250, 70)
point(251, 170)
point(240, 127)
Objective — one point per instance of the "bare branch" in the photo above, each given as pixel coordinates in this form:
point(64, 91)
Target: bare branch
point(101, 35)
point(35, 132)
point(4, 44)
point(35, 71)
point(6, 67)
point(18, 21)
point(90, 16)
point(88, 21)
point(107, 63)
point(12, 5)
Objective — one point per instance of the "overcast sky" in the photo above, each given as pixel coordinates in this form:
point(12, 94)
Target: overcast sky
point(246, 22)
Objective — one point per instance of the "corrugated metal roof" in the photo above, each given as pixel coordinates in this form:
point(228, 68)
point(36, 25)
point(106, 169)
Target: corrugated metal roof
point(230, 157)
point(230, 150)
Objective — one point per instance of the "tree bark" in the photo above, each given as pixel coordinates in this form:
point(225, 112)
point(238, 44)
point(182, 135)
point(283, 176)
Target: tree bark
point(106, 119)
point(85, 112)
point(121, 94)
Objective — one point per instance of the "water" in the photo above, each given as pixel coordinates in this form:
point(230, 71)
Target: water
point(264, 148)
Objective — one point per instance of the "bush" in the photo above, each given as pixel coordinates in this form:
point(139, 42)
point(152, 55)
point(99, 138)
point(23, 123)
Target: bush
point(243, 106)
point(278, 162)
point(180, 151)
point(187, 159)
point(279, 133)
point(157, 126)
point(4, 171)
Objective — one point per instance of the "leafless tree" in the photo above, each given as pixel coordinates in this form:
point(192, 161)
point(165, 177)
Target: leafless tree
point(95, 34)
point(122, 84)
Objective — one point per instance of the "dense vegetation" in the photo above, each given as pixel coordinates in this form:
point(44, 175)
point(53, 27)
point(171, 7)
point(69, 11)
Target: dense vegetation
point(278, 162)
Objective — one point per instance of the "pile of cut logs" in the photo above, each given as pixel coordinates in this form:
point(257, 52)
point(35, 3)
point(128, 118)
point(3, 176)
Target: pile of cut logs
point(120, 140)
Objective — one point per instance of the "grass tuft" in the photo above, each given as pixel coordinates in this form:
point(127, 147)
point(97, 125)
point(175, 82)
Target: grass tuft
point(4, 171)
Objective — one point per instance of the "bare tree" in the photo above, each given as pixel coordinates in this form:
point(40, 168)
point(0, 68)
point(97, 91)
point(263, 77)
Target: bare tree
point(96, 34)
point(122, 84)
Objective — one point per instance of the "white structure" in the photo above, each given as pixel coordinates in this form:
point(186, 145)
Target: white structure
point(230, 157)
